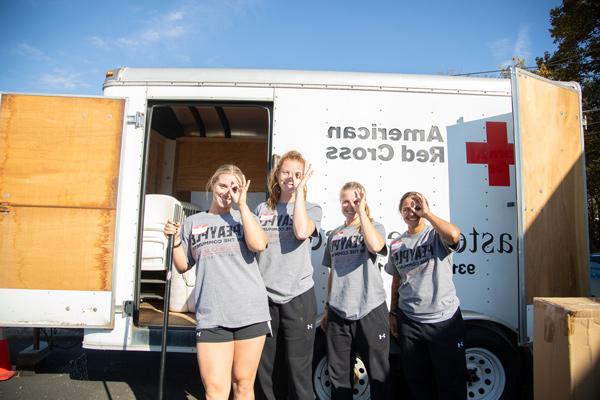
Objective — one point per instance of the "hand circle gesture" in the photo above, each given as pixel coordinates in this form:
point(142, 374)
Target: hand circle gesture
point(238, 190)
point(300, 180)
point(359, 204)
point(418, 205)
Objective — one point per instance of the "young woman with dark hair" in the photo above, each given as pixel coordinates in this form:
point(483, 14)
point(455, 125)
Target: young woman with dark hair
point(425, 314)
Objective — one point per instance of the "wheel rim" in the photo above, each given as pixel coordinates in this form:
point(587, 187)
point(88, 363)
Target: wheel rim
point(322, 383)
point(490, 375)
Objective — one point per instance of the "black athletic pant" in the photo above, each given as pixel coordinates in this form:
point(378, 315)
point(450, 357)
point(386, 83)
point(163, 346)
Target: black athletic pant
point(433, 357)
point(370, 338)
point(289, 351)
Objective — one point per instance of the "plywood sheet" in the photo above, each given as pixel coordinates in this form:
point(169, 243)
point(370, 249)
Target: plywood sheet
point(197, 159)
point(155, 163)
point(59, 168)
point(60, 151)
point(57, 248)
point(554, 191)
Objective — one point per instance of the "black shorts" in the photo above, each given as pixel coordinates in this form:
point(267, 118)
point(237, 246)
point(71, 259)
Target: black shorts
point(221, 334)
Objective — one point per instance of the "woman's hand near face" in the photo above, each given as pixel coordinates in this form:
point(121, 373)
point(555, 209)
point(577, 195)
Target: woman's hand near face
point(359, 204)
point(302, 224)
point(419, 206)
point(239, 190)
point(300, 180)
point(255, 237)
point(449, 232)
point(373, 239)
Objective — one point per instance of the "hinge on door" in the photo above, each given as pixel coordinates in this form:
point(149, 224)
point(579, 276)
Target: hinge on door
point(4, 208)
point(126, 310)
point(137, 119)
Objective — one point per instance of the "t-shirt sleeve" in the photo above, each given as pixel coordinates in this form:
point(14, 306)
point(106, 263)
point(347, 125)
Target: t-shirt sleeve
point(442, 246)
point(390, 268)
point(315, 213)
point(257, 209)
point(327, 253)
point(186, 234)
point(381, 229)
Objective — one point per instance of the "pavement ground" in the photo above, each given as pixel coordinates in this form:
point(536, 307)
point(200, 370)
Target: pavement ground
point(71, 372)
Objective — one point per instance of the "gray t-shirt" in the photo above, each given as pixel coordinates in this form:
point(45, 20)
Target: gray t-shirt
point(229, 290)
point(424, 264)
point(285, 264)
point(356, 285)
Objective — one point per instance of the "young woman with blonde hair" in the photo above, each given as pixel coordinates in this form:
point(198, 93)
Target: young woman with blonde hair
point(231, 301)
point(356, 319)
point(289, 221)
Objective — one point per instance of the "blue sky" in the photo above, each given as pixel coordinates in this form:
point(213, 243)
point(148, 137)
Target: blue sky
point(65, 46)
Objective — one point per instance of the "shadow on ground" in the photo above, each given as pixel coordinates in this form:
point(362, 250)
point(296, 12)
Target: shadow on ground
point(69, 372)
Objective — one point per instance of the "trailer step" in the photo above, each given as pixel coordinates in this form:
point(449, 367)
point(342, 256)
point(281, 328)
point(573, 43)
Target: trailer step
point(151, 296)
point(152, 281)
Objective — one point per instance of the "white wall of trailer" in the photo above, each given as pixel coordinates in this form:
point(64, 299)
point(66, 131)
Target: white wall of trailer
point(302, 119)
point(456, 190)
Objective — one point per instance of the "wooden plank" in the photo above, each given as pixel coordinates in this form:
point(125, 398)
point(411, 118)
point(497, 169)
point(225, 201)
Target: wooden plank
point(60, 151)
point(155, 163)
point(197, 160)
point(59, 167)
point(57, 248)
point(554, 195)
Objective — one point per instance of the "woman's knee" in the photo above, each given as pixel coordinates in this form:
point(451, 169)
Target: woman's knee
point(216, 391)
point(243, 386)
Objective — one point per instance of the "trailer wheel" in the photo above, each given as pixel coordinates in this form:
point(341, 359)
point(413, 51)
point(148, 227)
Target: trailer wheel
point(321, 382)
point(492, 364)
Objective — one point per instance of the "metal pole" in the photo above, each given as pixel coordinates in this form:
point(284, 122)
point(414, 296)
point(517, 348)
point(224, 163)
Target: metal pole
point(165, 327)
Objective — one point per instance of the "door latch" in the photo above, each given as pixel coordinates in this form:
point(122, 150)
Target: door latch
point(126, 309)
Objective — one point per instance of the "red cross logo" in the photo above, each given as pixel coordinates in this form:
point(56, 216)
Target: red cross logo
point(497, 153)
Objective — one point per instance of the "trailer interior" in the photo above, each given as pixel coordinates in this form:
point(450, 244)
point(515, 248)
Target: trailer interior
point(185, 143)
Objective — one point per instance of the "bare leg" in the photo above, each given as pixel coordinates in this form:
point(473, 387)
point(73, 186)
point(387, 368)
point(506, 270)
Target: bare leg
point(246, 356)
point(215, 361)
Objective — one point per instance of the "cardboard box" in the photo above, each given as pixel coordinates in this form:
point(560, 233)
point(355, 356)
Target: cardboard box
point(566, 348)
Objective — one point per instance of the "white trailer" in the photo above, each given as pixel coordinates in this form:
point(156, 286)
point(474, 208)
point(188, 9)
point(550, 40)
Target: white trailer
point(501, 158)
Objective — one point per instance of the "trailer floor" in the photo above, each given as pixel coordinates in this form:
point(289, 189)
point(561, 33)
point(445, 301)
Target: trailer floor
point(151, 314)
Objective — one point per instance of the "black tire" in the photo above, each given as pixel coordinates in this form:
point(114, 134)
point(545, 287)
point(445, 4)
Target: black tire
point(493, 368)
point(321, 384)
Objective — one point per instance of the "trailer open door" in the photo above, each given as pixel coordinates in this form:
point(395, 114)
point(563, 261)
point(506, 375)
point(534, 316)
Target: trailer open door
point(551, 190)
point(59, 169)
